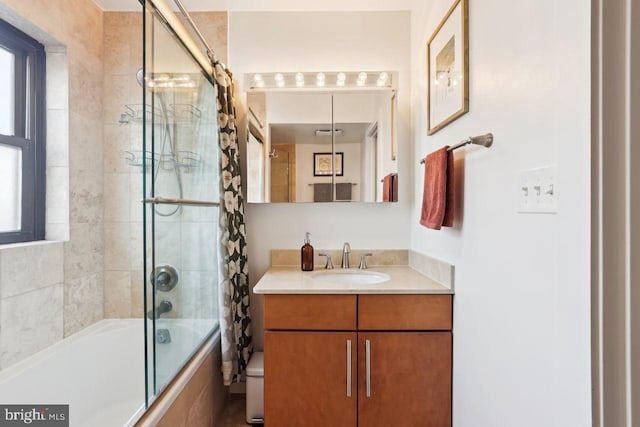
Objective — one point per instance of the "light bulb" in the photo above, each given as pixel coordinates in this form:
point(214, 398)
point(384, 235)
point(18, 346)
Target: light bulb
point(300, 83)
point(280, 83)
point(257, 78)
point(342, 77)
point(279, 77)
point(260, 83)
point(299, 77)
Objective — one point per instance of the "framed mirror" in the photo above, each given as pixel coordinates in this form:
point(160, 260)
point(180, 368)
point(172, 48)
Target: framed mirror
point(306, 146)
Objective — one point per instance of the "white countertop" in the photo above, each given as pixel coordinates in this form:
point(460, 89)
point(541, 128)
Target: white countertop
point(403, 280)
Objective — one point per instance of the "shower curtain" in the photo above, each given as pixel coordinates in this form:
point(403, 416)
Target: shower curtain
point(235, 320)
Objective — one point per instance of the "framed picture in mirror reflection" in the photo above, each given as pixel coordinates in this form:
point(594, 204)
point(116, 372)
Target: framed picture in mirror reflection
point(322, 164)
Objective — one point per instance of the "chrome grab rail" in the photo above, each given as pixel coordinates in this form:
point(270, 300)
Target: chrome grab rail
point(186, 202)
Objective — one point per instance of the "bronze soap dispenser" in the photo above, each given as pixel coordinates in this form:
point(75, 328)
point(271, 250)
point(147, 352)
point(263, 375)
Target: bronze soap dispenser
point(306, 254)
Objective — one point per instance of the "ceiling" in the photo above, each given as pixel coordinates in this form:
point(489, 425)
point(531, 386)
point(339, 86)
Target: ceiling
point(305, 133)
point(269, 5)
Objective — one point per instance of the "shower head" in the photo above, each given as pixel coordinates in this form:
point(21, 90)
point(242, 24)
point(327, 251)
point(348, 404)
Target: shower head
point(140, 76)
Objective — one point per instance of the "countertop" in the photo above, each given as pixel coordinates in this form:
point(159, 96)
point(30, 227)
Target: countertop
point(403, 280)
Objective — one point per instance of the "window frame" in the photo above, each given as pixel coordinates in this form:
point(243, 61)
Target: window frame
point(29, 130)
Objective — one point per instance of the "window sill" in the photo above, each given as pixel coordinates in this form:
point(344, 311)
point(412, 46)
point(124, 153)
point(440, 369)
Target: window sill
point(9, 246)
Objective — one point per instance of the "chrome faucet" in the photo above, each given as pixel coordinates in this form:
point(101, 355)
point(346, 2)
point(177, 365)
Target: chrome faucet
point(346, 250)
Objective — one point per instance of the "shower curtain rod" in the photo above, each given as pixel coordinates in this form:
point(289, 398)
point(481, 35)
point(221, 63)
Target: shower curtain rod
point(210, 53)
point(208, 61)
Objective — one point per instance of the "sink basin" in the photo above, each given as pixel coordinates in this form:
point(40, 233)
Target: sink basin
point(351, 277)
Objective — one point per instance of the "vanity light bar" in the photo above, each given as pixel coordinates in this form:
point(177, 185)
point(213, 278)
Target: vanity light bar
point(319, 79)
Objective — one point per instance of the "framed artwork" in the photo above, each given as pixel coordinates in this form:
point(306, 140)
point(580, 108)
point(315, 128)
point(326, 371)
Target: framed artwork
point(322, 164)
point(448, 68)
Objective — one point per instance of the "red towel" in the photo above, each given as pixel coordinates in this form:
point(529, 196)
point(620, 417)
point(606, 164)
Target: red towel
point(438, 200)
point(387, 185)
point(394, 187)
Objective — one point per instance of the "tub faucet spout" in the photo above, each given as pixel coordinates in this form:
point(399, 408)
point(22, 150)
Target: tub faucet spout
point(346, 250)
point(164, 307)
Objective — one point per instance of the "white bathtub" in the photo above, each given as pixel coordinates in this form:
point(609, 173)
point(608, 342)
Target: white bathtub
point(99, 372)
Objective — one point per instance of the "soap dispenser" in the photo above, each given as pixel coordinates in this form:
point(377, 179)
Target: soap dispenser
point(306, 254)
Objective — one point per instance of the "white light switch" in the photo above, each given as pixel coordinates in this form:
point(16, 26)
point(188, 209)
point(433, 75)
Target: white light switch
point(538, 191)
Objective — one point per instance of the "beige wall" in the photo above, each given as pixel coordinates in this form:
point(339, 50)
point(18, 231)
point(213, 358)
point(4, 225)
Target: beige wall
point(60, 290)
point(522, 280)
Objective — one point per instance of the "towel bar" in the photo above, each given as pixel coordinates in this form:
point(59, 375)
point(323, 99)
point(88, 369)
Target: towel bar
point(483, 140)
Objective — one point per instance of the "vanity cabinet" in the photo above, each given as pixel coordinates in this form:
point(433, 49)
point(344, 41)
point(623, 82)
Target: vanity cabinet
point(358, 360)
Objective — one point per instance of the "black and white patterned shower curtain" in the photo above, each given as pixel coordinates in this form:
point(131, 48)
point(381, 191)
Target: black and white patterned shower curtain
point(235, 320)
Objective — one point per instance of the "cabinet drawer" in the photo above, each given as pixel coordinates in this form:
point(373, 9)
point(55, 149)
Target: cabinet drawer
point(310, 312)
point(405, 312)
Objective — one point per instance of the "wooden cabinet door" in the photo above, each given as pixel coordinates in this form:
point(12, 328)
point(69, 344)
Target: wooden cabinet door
point(307, 377)
point(409, 379)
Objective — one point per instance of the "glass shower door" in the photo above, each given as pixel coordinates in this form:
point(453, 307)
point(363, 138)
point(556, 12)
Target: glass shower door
point(181, 190)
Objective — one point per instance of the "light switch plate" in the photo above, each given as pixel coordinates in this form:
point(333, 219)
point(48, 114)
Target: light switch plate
point(538, 191)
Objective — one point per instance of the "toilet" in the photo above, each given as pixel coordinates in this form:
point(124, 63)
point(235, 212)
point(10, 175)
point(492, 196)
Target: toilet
point(255, 389)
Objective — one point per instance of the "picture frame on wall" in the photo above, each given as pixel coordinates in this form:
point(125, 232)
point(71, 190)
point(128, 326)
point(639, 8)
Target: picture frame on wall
point(448, 68)
point(322, 164)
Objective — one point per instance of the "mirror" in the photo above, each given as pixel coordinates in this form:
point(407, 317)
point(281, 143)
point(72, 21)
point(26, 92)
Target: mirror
point(315, 146)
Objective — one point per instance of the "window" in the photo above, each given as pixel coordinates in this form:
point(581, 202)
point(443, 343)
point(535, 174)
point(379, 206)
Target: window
point(22, 136)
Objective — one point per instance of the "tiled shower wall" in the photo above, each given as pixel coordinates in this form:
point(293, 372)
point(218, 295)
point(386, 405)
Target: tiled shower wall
point(49, 290)
point(122, 181)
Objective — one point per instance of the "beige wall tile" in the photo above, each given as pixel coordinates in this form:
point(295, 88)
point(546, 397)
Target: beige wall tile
point(26, 267)
point(168, 243)
point(30, 322)
point(57, 80)
point(117, 294)
point(136, 208)
point(137, 293)
point(57, 232)
point(117, 40)
point(84, 252)
point(200, 246)
point(85, 149)
point(116, 144)
point(74, 126)
point(86, 196)
point(116, 197)
point(57, 137)
point(117, 89)
point(37, 18)
point(83, 302)
point(85, 88)
point(57, 204)
point(82, 21)
point(117, 246)
point(213, 26)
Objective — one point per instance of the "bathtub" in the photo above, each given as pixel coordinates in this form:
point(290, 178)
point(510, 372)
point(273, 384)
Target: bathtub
point(99, 372)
